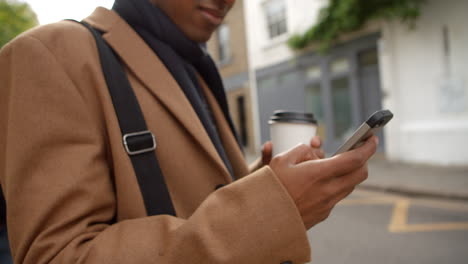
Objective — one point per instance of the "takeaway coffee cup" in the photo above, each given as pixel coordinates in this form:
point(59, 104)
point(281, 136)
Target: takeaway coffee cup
point(288, 129)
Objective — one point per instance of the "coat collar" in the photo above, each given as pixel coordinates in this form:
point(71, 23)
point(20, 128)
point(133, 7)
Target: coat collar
point(143, 63)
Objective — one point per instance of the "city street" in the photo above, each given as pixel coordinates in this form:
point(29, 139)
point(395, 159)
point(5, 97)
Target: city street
point(374, 227)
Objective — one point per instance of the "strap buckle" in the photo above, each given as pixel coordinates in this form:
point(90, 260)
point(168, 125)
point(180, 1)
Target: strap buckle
point(139, 142)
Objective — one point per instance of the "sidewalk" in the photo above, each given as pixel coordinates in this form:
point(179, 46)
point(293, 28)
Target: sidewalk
point(414, 180)
point(417, 180)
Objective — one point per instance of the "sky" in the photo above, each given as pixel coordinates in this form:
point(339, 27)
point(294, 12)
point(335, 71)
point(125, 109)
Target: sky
point(49, 11)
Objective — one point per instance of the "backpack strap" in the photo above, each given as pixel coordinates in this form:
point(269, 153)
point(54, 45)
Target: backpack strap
point(138, 141)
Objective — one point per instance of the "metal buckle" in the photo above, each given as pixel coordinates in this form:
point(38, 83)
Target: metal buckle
point(138, 134)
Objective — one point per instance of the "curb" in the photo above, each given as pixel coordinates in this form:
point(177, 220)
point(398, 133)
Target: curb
point(414, 192)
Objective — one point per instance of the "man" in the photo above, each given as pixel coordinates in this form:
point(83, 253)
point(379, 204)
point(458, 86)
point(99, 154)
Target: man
point(71, 192)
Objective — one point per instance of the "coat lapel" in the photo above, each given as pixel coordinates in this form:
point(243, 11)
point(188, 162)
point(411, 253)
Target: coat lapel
point(144, 63)
point(231, 146)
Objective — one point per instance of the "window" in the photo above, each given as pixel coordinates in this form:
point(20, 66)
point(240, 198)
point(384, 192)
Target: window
point(342, 111)
point(368, 57)
point(314, 100)
point(275, 11)
point(340, 66)
point(314, 73)
point(223, 43)
point(314, 104)
point(287, 77)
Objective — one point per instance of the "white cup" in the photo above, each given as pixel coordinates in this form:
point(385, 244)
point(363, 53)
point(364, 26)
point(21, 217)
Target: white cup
point(288, 129)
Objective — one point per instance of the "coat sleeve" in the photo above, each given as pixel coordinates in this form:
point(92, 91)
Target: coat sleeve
point(61, 203)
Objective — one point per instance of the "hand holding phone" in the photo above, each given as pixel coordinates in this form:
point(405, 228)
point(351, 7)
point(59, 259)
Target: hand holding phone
point(375, 122)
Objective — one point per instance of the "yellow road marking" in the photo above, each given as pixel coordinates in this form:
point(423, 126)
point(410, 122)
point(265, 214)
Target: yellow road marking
point(430, 227)
point(399, 220)
point(363, 201)
point(459, 207)
point(399, 216)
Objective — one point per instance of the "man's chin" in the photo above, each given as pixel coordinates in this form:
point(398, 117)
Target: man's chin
point(201, 37)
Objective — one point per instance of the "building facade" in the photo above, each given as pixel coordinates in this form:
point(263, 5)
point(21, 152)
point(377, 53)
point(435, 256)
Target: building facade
point(228, 47)
point(425, 80)
point(420, 74)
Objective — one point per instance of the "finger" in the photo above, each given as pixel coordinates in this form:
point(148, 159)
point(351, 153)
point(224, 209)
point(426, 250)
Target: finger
point(316, 142)
point(368, 148)
point(346, 185)
point(267, 146)
point(344, 163)
point(349, 183)
point(354, 159)
point(341, 196)
point(319, 153)
point(352, 179)
point(300, 153)
point(267, 152)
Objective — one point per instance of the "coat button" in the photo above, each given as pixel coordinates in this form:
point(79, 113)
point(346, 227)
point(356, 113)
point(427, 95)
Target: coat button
point(219, 186)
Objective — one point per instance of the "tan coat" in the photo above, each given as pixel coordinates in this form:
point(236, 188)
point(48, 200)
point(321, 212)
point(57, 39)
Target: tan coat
point(70, 187)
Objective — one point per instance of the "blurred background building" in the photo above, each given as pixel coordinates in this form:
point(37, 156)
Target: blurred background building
point(424, 80)
point(228, 47)
point(419, 72)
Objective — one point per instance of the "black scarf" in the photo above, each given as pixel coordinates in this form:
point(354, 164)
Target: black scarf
point(183, 58)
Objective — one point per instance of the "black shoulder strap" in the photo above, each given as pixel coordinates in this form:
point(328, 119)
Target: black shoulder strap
point(138, 141)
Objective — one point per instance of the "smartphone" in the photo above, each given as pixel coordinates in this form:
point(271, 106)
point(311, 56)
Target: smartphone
point(375, 122)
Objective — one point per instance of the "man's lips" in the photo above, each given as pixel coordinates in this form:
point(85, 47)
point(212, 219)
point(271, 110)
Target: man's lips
point(215, 16)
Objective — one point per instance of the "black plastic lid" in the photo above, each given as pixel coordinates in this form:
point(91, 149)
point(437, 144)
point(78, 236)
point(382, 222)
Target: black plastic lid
point(293, 117)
